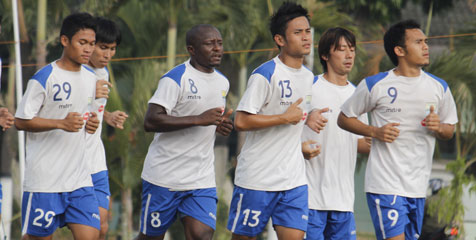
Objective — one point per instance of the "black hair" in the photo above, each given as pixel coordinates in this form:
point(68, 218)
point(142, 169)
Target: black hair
point(395, 36)
point(287, 12)
point(331, 37)
point(107, 31)
point(192, 35)
point(76, 22)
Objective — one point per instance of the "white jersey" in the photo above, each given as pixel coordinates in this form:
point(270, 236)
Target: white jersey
point(184, 159)
point(95, 151)
point(402, 167)
point(55, 159)
point(330, 174)
point(271, 158)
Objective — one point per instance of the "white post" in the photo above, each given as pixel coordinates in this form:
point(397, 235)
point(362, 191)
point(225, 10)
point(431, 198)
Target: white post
point(19, 93)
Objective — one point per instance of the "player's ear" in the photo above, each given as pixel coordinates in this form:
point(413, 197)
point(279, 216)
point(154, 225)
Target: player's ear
point(399, 51)
point(64, 40)
point(280, 40)
point(191, 50)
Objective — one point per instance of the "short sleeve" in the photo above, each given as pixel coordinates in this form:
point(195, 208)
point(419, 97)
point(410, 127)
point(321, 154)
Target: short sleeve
point(32, 100)
point(447, 109)
point(257, 94)
point(359, 103)
point(167, 94)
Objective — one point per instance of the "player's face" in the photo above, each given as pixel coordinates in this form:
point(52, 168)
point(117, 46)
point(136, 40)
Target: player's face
point(103, 52)
point(209, 49)
point(81, 46)
point(298, 37)
point(416, 48)
point(341, 59)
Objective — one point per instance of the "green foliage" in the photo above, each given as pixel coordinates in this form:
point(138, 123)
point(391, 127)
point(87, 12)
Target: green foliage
point(457, 70)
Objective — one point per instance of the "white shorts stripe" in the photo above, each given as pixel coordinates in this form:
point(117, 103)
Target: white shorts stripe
point(238, 210)
point(394, 200)
point(27, 214)
point(380, 220)
point(146, 211)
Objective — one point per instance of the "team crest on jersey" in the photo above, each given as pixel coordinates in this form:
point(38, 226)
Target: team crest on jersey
point(85, 116)
point(101, 108)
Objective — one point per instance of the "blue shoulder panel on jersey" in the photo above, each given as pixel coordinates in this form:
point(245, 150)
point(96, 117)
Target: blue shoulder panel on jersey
point(266, 69)
point(107, 70)
point(221, 73)
point(441, 81)
point(89, 69)
point(372, 80)
point(176, 73)
point(315, 79)
point(42, 75)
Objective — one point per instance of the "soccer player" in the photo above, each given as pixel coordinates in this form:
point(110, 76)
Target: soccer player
point(58, 189)
point(185, 112)
point(270, 178)
point(108, 37)
point(408, 108)
point(330, 175)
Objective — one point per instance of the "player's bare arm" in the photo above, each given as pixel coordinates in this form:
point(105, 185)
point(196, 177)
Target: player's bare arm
point(226, 126)
point(387, 133)
point(92, 124)
point(6, 119)
point(442, 130)
point(73, 122)
point(115, 119)
point(248, 122)
point(316, 121)
point(309, 149)
point(157, 119)
point(102, 89)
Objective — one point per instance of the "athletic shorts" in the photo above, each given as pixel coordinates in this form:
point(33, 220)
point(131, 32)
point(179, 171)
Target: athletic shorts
point(250, 210)
point(43, 213)
point(393, 215)
point(160, 207)
point(101, 188)
point(330, 225)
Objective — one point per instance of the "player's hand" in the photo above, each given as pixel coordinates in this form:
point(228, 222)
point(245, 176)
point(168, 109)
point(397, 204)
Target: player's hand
point(73, 122)
point(93, 123)
point(294, 114)
point(309, 151)
point(432, 121)
point(316, 121)
point(102, 89)
point(387, 133)
point(116, 119)
point(6, 119)
point(210, 117)
point(226, 125)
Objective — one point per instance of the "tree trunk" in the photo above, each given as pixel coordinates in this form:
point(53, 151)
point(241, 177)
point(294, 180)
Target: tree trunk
point(41, 35)
point(126, 218)
point(172, 35)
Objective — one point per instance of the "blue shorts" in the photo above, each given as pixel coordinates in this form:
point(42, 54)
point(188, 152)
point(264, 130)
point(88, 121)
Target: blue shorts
point(101, 188)
point(250, 210)
point(393, 215)
point(160, 207)
point(43, 213)
point(332, 225)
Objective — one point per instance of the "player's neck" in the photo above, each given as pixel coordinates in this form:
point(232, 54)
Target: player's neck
point(200, 67)
point(335, 78)
point(67, 64)
point(291, 61)
point(406, 70)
